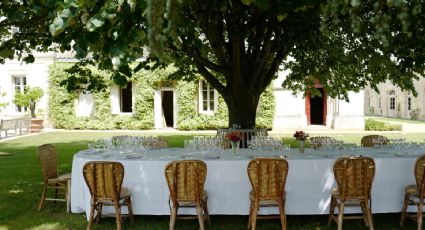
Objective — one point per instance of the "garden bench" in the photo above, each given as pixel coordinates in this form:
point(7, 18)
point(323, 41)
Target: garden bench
point(20, 124)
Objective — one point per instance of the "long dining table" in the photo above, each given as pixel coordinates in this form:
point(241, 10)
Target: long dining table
point(309, 183)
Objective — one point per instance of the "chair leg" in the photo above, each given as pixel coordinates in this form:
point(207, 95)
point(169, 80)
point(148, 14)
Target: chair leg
point(130, 210)
point(403, 212)
point(282, 214)
point(254, 215)
point(365, 219)
point(340, 215)
point(250, 216)
point(92, 207)
point(118, 214)
point(68, 196)
point(420, 213)
point(369, 215)
point(206, 213)
point(99, 209)
point(332, 210)
point(56, 191)
point(173, 216)
point(199, 211)
point(43, 197)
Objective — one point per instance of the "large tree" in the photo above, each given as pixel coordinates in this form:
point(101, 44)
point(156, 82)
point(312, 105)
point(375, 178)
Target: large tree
point(238, 46)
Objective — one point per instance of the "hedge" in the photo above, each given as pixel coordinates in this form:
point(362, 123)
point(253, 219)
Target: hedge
point(374, 125)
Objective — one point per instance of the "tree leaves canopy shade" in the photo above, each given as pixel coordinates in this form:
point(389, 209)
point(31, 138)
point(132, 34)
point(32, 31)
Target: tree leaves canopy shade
point(237, 46)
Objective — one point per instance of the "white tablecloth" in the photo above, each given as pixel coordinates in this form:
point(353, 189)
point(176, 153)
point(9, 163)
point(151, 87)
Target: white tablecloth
point(309, 183)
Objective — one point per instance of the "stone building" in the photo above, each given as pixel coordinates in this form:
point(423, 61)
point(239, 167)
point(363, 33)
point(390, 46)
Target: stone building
point(391, 101)
point(292, 111)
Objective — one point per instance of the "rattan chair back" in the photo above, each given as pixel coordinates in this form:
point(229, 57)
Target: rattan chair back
point(319, 141)
point(104, 179)
point(186, 179)
point(267, 177)
point(48, 158)
point(354, 177)
point(367, 141)
point(420, 175)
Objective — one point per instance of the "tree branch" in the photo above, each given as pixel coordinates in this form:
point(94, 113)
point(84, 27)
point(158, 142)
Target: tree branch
point(214, 33)
point(267, 79)
point(210, 65)
point(210, 78)
point(262, 55)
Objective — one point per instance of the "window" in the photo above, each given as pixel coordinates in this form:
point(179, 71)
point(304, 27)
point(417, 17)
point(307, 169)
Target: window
point(392, 103)
point(379, 103)
point(19, 83)
point(207, 98)
point(126, 98)
point(409, 103)
point(84, 106)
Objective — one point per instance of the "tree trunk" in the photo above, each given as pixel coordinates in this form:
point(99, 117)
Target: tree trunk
point(242, 105)
point(32, 109)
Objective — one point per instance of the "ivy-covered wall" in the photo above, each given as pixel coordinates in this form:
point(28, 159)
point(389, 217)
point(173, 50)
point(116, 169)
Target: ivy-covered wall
point(62, 104)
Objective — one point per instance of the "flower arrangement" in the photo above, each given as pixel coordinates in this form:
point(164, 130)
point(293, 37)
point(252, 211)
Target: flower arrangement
point(234, 136)
point(301, 135)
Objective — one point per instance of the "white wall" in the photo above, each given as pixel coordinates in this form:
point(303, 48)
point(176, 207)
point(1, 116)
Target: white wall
point(36, 76)
point(290, 109)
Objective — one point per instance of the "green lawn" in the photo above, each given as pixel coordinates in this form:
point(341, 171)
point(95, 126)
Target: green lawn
point(20, 190)
point(390, 119)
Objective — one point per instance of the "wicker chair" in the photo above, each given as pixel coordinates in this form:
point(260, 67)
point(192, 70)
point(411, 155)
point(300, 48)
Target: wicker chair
point(186, 179)
point(414, 194)
point(268, 179)
point(367, 141)
point(319, 141)
point(354, 177)
point(104, 180)
point(61, 184)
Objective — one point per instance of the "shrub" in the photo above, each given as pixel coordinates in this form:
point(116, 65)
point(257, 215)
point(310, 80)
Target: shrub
point(414, 114)
point(374, 125)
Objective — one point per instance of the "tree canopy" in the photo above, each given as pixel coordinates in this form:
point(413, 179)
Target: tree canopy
point(238, 46)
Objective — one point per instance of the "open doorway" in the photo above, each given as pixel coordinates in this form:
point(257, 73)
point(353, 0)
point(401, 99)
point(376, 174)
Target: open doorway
point(316, 108)
point(168, 108)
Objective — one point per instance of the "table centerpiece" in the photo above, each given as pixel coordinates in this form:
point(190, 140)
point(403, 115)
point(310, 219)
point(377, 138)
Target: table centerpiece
point(301, 136)
point(235, 138)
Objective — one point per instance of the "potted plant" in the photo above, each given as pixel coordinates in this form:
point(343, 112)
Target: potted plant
point(29, 98)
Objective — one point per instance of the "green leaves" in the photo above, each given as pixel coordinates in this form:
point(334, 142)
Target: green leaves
point(94, 23)
point(29, 59)
point(6, 52)
point(28, 96)
point(81, 77)
point(247, 2)
point(57, 26)
point(119, 79)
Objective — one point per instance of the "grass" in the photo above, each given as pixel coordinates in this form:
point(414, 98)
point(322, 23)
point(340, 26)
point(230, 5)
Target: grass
point(390, 119)
point(21, 183)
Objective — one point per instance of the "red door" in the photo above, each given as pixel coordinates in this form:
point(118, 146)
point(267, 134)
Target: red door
point(307, 108)
point(325, 106)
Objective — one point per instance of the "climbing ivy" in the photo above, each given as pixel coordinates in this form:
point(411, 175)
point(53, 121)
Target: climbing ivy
point(62, 103)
